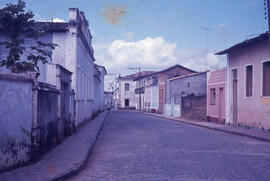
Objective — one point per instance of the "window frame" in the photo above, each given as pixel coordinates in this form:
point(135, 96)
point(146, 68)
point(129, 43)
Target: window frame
point(245, 81)
point(264, 61)
point(211, 97)
point(126, 88)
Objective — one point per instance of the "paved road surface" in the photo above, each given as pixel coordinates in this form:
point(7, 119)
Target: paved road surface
point(134, 146)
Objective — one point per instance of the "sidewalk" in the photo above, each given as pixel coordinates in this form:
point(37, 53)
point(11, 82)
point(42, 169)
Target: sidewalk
point(66, 159)
point(256, 134)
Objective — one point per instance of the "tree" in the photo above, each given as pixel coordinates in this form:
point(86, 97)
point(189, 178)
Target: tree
point(18, 28)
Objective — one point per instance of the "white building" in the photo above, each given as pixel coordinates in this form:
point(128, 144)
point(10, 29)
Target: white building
point(99, 73)
point(147, 93)
point(103, 72)
point(75, 53)
point(127, 86)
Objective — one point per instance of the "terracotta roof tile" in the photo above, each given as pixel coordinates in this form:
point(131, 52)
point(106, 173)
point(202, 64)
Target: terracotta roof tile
point(136, 75)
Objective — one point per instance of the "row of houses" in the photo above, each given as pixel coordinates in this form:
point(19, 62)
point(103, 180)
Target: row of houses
point(238, 94)
point(37, 112)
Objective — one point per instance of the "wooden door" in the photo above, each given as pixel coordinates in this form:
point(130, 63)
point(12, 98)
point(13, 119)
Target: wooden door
point(221, 104)
point(234, 96)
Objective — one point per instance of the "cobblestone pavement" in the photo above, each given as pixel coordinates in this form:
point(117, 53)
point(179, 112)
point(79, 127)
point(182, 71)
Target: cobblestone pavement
point(135, 146)
point(251, 133)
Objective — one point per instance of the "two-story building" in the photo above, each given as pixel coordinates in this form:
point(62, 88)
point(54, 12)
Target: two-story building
point(74, 53)
point(147, 93)
point(98, 91)
point(126, 90)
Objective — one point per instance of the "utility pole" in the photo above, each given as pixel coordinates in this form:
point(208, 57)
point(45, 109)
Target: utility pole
point(268, 18)
point(115, 75)
point(206, 46)
point(138, 68)
point(114, 90)
point(268, 13)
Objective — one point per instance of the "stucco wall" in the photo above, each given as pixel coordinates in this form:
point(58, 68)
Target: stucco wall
point(15, 121)
point(127, 94)
point(84, 76)
point(154, 101)
point(217, 81)
point(253, 111)
point(190, 93)
point(188, 85)
point(45, 38)
point(50, 130)
point(96, 94)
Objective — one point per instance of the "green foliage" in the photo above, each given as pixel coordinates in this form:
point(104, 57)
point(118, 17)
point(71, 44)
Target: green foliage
point(19, 28)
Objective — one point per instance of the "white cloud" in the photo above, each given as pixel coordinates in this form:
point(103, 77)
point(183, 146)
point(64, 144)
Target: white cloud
point(151, 54)
point(58, 20)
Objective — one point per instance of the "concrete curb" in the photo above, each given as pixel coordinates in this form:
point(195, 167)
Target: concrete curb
point(79, 166)
point(212, 128)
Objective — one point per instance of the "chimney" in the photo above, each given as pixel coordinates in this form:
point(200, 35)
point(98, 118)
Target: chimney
point(73, 16)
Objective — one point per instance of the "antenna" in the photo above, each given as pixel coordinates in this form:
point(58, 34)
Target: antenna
point(206, 29)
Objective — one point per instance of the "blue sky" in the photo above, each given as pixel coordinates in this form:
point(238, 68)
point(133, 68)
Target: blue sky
point(156, 34)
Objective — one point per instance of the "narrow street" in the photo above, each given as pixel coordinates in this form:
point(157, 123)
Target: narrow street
point(134, 146)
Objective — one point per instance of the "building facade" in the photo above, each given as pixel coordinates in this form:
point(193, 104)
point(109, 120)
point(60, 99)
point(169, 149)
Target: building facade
point(153, 87)
point(126, 90)
point(186, 96)
point(99, 73)
point(108, 100)
point(248, 83)
point(216, 91)
point(59, 100)
point(103, 72)
point(147, 93)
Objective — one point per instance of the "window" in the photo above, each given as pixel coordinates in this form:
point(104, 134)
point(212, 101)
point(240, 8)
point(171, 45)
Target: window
point(266, 79)
point(249, 80)
point(126, 87)
point(213, 96)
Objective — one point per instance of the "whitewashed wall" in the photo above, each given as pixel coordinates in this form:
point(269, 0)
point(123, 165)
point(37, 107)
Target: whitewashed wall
point(123, 94)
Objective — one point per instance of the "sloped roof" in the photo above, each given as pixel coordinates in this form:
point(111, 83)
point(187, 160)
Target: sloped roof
point(102, 67)
point(245, 43)
point(167, 69)
point(188, 75)
point(136, 75)
point(217, 76)
point(177, 65)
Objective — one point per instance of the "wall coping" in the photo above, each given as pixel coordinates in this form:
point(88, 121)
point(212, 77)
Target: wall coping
point(16, 77)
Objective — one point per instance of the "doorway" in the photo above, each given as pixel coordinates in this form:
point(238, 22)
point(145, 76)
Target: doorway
point(234, 95)
point(126, 102)
point(221, 104)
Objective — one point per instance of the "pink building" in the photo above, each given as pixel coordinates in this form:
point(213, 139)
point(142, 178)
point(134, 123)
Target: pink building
point(248, 83)
point(216, 83)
